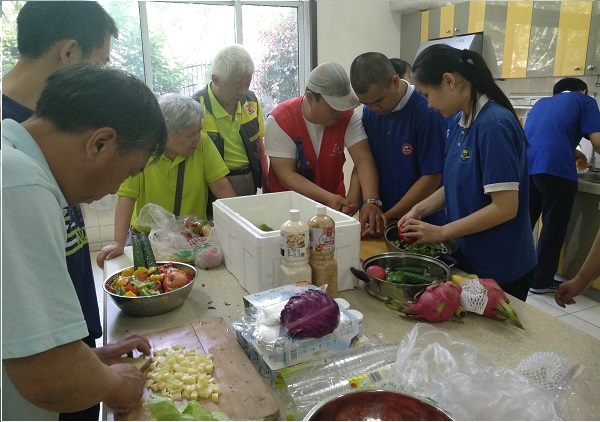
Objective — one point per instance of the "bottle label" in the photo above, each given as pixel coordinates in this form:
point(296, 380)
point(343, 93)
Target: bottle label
point(294, 246)
point(322, 239)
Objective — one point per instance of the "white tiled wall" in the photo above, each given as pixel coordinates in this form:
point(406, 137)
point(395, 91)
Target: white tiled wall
point(99, 223)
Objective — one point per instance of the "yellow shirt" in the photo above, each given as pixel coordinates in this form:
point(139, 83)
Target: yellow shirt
point(158, 182)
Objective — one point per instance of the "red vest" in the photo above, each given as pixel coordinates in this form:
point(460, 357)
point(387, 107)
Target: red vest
point(328, 169)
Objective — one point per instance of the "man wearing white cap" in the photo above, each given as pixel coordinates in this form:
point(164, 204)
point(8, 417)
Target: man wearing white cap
point(305, 139)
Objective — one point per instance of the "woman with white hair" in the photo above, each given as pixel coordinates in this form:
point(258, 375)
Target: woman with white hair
point(180, 180)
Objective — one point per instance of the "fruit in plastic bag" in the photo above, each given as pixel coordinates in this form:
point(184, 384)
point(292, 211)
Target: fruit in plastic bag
point(209, 255)
point(438, 302)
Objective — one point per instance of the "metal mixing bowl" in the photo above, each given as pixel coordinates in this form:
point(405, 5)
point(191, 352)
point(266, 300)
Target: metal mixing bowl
point(383, 290)
point(382, 405)
point(154, 305)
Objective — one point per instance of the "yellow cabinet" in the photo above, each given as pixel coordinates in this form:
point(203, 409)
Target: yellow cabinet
point(516, 42)
point(452, 20)
point(559, 38)
point(592, 63)
point(446, 21)
point(573, 33)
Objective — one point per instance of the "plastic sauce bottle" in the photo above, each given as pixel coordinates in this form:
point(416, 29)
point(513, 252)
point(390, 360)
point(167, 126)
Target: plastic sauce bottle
point(294, 251)
point(322, 247)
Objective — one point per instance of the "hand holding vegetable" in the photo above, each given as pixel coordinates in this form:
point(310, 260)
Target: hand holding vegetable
point(129, 388)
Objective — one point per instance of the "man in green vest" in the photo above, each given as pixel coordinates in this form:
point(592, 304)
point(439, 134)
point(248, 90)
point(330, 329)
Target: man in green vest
point(233, 119)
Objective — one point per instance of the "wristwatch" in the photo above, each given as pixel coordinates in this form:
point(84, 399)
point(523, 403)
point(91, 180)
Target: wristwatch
point(374, 201)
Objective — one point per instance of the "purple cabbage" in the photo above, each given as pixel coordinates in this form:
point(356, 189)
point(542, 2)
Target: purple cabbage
point(310, 314)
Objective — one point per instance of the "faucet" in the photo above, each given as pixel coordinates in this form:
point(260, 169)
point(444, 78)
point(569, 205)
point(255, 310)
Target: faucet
point(592, 166)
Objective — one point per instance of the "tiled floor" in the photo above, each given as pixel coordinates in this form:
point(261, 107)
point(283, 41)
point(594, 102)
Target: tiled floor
point(584, 315)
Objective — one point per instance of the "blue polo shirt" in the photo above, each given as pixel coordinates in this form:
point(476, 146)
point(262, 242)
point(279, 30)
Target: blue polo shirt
point(406, 144)
point(490, 156)
point(554, 127)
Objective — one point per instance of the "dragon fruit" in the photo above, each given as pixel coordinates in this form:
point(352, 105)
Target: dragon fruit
point(485, 297)
point(438, 302)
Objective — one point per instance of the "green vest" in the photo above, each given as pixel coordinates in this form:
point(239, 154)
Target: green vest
point(249, 129)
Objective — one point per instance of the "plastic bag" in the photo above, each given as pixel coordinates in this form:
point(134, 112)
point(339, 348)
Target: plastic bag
point(464, 383)
point(209, 253)
point(171, 240)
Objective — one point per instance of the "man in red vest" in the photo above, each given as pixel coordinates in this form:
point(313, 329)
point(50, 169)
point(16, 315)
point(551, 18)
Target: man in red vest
point(305, 139)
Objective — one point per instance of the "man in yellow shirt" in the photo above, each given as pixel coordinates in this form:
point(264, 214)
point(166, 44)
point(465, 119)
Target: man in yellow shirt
point(234, 120)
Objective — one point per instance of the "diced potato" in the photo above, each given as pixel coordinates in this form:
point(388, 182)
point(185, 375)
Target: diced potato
point(183, 374)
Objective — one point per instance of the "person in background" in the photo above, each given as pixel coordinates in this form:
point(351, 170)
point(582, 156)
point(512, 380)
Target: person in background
point(554, 127)
point(234, 120)
point(485, 190)
point(589, 271)
point(50, 36)
point(188, 149)
point(402, 68)
point(405, 136)
point(92, 127)
point(305, 139)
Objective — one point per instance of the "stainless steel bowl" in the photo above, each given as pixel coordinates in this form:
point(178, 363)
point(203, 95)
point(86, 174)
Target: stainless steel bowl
point(154, 305)
point(382, 405)
point(383, 290)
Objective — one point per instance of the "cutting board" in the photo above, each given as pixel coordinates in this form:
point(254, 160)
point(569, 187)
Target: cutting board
point(370, 247)
point(244, 396)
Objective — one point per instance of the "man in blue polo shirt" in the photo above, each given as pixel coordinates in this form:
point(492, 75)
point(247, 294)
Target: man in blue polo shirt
point(405, 136)
point(554, 127)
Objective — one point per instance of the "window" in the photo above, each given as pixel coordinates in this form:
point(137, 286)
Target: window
point(171, 44)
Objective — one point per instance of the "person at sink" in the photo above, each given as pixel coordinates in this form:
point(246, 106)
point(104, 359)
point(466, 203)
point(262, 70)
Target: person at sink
point(91, 128)
point(485, 190)
point(554, 128)
point(179, 181)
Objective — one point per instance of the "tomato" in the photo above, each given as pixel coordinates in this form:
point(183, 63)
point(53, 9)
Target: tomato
point(404, 238)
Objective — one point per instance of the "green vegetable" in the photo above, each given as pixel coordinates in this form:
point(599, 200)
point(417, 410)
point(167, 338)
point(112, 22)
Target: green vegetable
point(139, 259)
point(396, 276)
point(162, 409)
point(265, 228)
point(148, 254)
point(429, 249)
point(414, 278)
point(416, 270)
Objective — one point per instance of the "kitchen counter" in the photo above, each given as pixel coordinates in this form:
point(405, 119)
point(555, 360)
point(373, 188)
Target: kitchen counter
point(217, 293)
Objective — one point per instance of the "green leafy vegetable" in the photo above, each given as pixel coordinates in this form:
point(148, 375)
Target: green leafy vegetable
point(429, 249)
point(162, 409)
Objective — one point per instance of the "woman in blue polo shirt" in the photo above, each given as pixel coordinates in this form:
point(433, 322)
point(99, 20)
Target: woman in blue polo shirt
point(485, 191)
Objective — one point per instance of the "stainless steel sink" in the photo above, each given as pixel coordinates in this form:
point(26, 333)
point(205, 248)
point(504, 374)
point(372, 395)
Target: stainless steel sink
point(590, 177)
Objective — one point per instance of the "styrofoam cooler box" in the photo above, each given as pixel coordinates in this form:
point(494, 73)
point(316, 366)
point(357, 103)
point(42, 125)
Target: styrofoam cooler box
point(253, 256)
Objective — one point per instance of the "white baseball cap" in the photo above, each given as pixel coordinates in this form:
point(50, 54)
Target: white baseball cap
point(331, 81)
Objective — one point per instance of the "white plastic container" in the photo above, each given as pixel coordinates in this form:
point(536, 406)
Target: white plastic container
point(253, 255)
